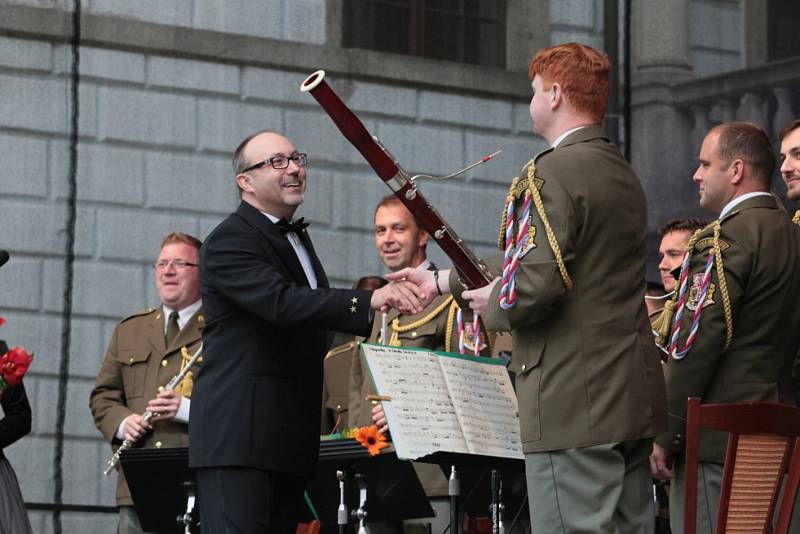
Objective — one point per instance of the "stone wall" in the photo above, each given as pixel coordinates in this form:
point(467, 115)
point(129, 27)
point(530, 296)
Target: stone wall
point(165, 96)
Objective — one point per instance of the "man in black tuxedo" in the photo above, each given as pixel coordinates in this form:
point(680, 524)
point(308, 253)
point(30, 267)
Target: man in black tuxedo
point(254, 437)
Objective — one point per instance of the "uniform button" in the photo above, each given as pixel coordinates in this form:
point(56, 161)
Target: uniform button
point(678, 436)
point(524, 366)
point(130, 360)
point(338, 407)
point(413, 335)
point(163, 363)
point(158, 444)
point(677, 442)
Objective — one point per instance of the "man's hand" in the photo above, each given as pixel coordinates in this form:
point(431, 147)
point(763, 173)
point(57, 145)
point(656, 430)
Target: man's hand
point(424, 280)
point(135, 427)
point(165, 406)
point(379, 419)
point(479, 298)
point(404, 296)
point(660, 463)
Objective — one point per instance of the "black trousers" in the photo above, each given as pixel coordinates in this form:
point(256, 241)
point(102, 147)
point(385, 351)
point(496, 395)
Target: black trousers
point(239, 500)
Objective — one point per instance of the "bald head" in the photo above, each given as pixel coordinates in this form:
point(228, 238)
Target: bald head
point(257, 162)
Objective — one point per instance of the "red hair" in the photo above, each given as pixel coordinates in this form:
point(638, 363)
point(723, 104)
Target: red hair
point(582, 73)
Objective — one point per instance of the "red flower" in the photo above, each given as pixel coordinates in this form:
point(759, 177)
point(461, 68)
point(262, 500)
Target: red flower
point(373, 440)
point(2, 321)
point(14, 364)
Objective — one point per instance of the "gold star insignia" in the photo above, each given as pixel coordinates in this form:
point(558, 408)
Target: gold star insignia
point(354, 300)
point(352, 309)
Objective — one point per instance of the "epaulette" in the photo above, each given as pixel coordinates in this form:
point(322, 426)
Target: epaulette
point(340, 349)
point(139, 313)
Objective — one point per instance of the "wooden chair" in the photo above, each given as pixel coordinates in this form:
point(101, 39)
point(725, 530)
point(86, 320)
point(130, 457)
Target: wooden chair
point(763, 437)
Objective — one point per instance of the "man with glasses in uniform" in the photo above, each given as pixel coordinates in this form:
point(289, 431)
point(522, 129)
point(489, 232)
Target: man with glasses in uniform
point(146, 350)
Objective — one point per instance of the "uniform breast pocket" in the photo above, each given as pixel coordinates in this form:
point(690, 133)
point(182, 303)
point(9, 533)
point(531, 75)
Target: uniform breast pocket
point(421, 336)
point(133, 367)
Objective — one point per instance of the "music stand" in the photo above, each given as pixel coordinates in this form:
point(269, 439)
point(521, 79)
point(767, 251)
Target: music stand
point(160, 482)
point(474, 471)
point(393, 489)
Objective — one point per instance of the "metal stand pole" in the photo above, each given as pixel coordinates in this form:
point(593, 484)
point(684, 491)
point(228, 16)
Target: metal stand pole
point(454, 487)
point(361, 512)
point(341, 513)
point(187, 518)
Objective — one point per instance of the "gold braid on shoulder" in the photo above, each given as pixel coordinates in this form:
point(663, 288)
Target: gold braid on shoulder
point(796, 218)
point(501, 239)
point(723, 286)
point(551, 237)
point(397, 329)
point(663, 325)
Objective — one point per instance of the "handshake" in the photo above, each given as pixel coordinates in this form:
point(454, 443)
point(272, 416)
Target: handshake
point(411, 290)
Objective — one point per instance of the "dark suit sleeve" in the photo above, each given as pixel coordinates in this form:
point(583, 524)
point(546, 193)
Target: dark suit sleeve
point(241, 268)
point(17, 421)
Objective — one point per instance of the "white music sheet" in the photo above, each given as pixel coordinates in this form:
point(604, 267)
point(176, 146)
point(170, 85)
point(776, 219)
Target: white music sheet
point(445, 403)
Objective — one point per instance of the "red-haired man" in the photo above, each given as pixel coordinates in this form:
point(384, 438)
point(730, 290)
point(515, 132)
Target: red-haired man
point(590, 388)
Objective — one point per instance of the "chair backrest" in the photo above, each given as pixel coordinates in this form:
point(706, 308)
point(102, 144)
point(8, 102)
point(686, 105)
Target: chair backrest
point(762, 438)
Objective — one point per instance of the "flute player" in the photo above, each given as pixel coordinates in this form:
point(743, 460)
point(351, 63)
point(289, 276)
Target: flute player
point(143, 355)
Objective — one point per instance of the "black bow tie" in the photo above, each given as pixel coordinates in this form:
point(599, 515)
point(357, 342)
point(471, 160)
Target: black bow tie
point(296, 226)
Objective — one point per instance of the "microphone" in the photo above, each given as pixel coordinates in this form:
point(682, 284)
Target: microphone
point(3, 257)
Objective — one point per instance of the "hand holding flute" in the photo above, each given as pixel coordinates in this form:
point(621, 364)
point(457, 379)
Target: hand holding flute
point(163, 407)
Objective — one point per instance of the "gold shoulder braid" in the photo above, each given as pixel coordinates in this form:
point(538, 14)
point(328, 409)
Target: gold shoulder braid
point(501, 239)
point(451, 319)
point(663, 326)
point(796, 218)
point(723, 287)
point(551, 237)
point(187, 384)
point(394, 340)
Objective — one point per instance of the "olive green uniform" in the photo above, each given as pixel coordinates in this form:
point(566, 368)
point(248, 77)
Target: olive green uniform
point(741, 346)
point(138, 362)
point(589, 383)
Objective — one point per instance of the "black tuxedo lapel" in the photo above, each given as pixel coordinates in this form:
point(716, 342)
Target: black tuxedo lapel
point(277, 239)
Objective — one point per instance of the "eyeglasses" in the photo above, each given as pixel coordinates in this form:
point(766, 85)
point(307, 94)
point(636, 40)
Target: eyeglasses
point(280, 162)
point(178, 264)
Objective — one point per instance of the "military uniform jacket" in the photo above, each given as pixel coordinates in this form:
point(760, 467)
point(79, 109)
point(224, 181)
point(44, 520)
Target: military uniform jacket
point(137, 362)
point(761, 259)
point(588, 372)
point(336, 386)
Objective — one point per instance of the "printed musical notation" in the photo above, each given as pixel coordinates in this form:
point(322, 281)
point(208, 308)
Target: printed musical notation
point(445, 403)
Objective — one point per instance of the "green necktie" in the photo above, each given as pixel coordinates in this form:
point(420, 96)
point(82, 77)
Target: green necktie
point(172, 328)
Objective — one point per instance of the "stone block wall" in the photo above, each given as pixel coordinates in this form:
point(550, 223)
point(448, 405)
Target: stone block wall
point(158, 119)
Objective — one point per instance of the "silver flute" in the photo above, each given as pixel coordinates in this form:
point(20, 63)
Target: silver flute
point(172, 384)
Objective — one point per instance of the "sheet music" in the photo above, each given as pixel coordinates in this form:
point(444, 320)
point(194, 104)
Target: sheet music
point(445, 403)
point(485, 404)
point(421, 415)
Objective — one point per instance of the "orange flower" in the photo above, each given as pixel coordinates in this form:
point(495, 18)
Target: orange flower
point(373, 440)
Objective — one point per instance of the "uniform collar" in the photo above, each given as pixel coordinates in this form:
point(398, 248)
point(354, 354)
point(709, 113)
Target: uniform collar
point(728, 209)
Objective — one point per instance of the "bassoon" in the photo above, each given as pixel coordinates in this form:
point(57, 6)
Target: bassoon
point(473, 272)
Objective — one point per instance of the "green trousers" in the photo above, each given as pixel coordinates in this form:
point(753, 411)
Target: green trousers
point(604, 489)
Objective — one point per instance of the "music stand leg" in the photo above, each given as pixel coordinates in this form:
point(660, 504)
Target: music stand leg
point(361, 512)
point(454, 487)
point(187, 518)
point(341, 513)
